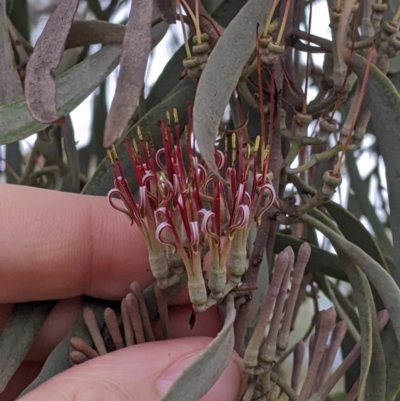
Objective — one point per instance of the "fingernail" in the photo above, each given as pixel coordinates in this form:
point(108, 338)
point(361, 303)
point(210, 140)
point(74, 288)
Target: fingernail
point(169, 376)
point(226, 388)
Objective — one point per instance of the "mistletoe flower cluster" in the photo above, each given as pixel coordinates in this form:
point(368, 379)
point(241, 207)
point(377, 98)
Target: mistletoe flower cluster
point(183, 211)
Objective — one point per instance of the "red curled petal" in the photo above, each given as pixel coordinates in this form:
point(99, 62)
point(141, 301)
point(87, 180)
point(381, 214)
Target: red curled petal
point(110, 198)
point(241, 220)
point(271, 200)
point(165, 234)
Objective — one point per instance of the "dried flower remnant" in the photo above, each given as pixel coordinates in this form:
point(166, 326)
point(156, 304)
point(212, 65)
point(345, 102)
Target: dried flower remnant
point(135, 322)
point(183, 207)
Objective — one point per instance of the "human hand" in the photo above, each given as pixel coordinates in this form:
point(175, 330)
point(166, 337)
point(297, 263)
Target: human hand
point(58, 245)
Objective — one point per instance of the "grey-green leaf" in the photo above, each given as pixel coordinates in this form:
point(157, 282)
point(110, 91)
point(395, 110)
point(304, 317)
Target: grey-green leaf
point(206, 369)
point(222, 73)
point(58, 360)
point(378, 276)
point(102, 180)
point(40, 87)
point(384, 103)
point(22, 327)
point(355, 232)
point(136, 48)
point(73, 87)
point(10, 83)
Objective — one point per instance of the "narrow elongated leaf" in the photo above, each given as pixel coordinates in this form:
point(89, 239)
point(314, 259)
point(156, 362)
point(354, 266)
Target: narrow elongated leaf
point(68, 136)
point(372, 387)
point(40, 87)
point(10, 83)
point(73, 87)
point(102, 180)
point(86, 33)
point(378, 276)
point(384, 103)
point(136, 48)
point(22, 327)
point(222, 73)
point(206, 369)
point(355, 232)
point(58, 360)
point(361, 195)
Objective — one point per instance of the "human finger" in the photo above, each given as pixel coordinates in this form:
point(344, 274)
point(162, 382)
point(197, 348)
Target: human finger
point(141, 372)
point(61, 245)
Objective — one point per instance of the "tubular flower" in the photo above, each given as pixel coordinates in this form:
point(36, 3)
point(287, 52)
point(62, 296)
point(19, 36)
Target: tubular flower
point(183, 209)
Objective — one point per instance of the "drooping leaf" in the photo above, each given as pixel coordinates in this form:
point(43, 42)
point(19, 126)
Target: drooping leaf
point(222, 73)
point(206, 369)
point(102, 180)
point(321, 261)
point(73, 87)
point(40, 87)
point(365, 205)
point(58, 360)
point(15, 340)
point(377, 275)
point(392, 351)
point(136, 48)
point(355, 232)
point(384, 104)
point(372, 386)
point(10, 90)
point(10, 82)
point(68, 137)
point(86, 33)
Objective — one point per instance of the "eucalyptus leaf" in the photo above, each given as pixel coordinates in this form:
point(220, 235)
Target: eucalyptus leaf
point(10, 82)
point(58, 360)
point(102, 180)
point(17, 337)
point(372, 386)
point(73, 87)
point(221, 74)
point(206, 369)
point(136, 49)
point(68, 137)
point(40, 87)
point(355, 232)
point(86, 33)
point(384, 104)
point(378, 276)
point(361, 195)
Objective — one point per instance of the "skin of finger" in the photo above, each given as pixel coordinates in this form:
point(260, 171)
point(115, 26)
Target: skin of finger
point(132, 374)
point(61, 245)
